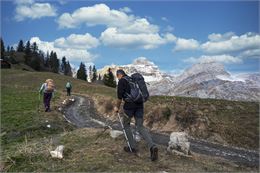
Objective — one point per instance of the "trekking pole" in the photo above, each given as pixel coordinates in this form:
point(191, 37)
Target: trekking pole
point(124, 132)
point(39, 99)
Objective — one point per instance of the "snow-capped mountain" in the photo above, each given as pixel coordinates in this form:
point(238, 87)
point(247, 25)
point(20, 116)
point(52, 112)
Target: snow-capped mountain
point(204, 80)
point(148, 69)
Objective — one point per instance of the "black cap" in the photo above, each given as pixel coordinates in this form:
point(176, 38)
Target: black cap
point(120, 71)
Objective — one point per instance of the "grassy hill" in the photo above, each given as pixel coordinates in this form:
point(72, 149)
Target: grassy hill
point(26, 140)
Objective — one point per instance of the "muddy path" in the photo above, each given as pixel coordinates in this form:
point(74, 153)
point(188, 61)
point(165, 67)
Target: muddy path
point(82, 113)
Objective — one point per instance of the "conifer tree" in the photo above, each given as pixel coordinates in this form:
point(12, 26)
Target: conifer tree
point(20, 47)
point(81, 73)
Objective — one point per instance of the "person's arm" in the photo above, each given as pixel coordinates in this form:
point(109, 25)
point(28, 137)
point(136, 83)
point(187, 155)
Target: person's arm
point(120, 93)
point(42, 88)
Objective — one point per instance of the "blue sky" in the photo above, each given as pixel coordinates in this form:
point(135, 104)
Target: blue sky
point(174, 35)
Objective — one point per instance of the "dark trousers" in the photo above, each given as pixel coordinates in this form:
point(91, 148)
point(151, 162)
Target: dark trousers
point(47, 100)
point(138, 116)
point(68, 91)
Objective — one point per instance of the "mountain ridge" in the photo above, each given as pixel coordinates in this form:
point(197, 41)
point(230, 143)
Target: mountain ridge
point(203, 80)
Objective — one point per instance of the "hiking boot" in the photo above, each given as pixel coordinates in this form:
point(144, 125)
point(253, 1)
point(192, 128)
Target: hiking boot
point(154, 153)
point(127, 149)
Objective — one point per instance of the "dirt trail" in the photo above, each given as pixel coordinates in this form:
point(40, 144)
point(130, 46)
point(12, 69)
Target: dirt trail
point(82, 113)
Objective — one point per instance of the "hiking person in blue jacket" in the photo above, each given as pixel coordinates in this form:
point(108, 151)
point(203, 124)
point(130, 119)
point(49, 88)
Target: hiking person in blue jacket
point(47, 88)
point(132, 109)
point(68, 87)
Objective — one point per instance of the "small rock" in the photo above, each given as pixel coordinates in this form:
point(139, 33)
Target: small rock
point(60, 109)
point(49, 126)
point(58, 152)
point(179, 141)
point(229, 107)
point(115, 133)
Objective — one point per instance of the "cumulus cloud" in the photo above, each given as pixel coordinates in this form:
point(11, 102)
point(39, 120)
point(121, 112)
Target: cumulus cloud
point(32, 10)
point(77, 41)
point(101, 14)
point(226, 59)
point(113, 37)
point(186, 44)
point(215, 37)
point(222, 45)
point(72, 54)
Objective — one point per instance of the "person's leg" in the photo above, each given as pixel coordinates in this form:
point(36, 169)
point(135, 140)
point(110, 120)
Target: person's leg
point(145, 134)
point(45, 102)
point(67, 91)
point(126, 122)
point(49, 100)
point(141, 129)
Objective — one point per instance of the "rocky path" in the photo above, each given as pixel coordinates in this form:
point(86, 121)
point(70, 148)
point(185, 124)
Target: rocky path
point(82, 113)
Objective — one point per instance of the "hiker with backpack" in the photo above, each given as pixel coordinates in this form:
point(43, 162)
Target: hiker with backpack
point(68, 87)
point(134, 92)
point(47, 88)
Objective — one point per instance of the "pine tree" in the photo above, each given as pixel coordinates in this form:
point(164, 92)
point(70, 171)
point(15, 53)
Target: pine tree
point(27, 56)
point(20, 47)
point(34, 48)
point(94, 74)
point(68, 71)
point(2, 48)
point(47, 60)
point(81, 73)
point(99, 77)
point(35, 63)
point(109, 79)
point(54, 62)
point(8, 48)
point(63, 64)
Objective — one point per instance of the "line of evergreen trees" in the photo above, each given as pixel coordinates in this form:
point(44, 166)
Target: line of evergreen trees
point(82, 73)
point(35, 58)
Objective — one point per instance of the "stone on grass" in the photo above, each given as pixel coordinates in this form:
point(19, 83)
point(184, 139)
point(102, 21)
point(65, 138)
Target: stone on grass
point(115, 133)
point(179, 142)
point(58, 152)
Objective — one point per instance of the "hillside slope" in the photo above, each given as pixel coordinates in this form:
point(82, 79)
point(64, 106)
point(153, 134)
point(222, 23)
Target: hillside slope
point(26, 139)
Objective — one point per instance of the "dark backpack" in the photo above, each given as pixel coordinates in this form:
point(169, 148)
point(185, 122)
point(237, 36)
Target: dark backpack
point(138, 89)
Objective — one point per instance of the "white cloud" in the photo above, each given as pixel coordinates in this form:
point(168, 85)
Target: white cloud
point(72, 54)
point(227, 59)
point(101, 14)
point(255, 53)
point(113, 37)
point(220, 37)
point(125, 9)
point(30, 9)
point(186, 44)
point(234, 43)
point(169, 28)
point(77, 41)
point(165, 19)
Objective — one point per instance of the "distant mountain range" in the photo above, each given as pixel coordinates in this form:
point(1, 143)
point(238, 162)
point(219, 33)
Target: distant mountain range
point(203, 80)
